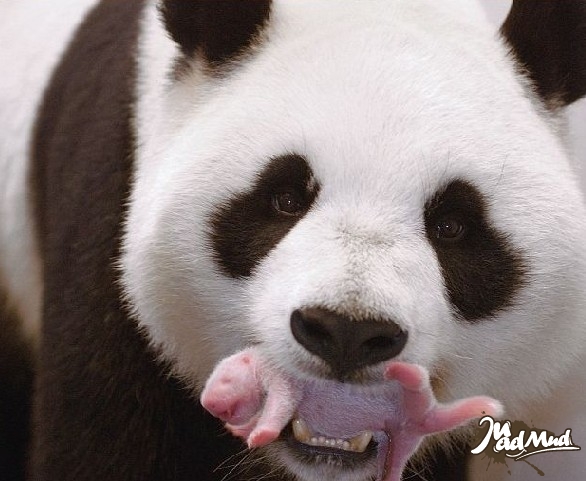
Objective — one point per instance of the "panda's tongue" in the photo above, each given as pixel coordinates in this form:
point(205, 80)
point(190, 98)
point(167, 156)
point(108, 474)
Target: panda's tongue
point(397, 412)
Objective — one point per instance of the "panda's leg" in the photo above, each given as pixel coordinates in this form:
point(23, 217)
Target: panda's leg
point(16, 381)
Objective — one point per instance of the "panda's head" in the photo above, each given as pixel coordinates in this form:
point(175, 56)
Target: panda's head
point(344, 184)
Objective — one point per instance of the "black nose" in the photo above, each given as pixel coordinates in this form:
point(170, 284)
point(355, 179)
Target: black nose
point(346, 345)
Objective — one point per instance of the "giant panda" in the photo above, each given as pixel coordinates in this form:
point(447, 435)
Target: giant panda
point(181, 180)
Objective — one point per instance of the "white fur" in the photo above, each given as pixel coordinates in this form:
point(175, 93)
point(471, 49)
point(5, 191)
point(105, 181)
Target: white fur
point(32, 38)
point(388, 103)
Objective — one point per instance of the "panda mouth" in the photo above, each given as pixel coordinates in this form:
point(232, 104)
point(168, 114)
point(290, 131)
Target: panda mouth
point(324, 421)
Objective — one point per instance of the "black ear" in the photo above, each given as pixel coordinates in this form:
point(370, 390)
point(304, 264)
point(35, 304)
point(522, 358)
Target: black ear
point(216, 29)
point(548, 38)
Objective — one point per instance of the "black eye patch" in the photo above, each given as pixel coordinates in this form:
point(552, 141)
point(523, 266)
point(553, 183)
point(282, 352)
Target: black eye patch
point(482, 271)
point(251, 224)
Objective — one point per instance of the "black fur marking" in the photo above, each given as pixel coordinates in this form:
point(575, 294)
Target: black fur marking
point(248, 227)
point(549, 40)
point(16, 382)
point(218, 30)
point(442, 466)
point(104, 409)
point(481, 270)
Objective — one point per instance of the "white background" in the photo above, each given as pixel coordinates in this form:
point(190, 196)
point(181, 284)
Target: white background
point(497, 11)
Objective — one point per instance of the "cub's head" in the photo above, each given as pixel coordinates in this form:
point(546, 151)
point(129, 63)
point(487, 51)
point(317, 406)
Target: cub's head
point(342, 183)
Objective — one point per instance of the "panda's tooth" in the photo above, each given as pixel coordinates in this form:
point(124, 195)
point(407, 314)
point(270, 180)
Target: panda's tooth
point(303, 434)
point(301, 431)
point(360, 442)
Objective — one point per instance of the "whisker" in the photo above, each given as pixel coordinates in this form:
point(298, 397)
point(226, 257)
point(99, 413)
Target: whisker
point(459, 356)
point(223, 464)
point(415, 473)
point(236, 467)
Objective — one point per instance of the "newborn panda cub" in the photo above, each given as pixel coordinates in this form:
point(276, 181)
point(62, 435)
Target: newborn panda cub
point(257, 403)
point(349, 228)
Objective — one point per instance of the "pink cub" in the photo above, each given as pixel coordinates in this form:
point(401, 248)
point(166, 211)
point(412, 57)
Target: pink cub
point(254, 402)
point(257, 401)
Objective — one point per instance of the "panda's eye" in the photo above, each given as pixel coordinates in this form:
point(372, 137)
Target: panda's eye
point(450, 228)
point(288, 203)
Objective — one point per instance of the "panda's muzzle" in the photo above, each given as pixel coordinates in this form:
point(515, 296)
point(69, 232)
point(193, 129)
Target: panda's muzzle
point(346, 345)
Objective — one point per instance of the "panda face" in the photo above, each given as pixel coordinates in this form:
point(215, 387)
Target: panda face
point(380, 168)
